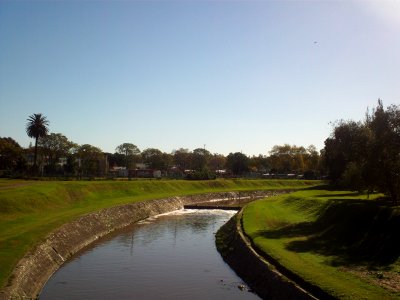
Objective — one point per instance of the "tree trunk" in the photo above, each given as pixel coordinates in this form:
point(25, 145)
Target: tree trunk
point(35, 155)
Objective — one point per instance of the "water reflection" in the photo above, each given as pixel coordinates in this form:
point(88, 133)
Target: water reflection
point(169, 257)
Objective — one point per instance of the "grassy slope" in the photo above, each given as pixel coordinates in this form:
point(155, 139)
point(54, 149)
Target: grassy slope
point(323, 235)
point(29, 210)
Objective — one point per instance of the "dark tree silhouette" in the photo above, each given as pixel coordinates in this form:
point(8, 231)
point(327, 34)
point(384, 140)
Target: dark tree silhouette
point(36, 128)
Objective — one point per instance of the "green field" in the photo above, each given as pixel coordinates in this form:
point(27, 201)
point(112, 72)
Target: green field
point(29, 210)
point(341, 241)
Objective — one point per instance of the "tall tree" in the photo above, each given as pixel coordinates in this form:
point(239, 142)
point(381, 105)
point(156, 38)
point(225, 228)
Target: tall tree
point(89, 159)
point(36, 128)
point(366, 154)
point(348, 143)
point(200, 158)
point(54, 147)
point(155, 159)
point(217, 162)
point(10, 154)
point(259, 163)
point(383, 165)
point(238, 163)
point(287, 158)
point(130, 151)
point(182, 158)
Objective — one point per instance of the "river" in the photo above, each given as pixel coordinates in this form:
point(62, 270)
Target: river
point(171, 256)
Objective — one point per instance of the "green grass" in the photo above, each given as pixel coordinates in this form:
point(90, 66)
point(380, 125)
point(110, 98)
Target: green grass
point(341, 241)
point(29, 210)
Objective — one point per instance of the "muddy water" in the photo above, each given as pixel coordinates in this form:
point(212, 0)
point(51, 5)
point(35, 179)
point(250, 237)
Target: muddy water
point(172, 256)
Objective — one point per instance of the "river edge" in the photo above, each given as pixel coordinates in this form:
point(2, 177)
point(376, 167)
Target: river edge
point(266, 277)
point(38, 265)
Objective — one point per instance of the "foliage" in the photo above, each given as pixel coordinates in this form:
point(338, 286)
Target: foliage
point(216, 162)
point(11, 154)
point(182, 159)
point(130, 151)
point(54, 147)
point(199, 159)
point(326, 238)
point(36, 128)
point(204, 174)
point(365, 155)
point(116, 159)
point(89, 160)
point(237, 162)
point(293, 159)
point(61, 157)
point(156, 159)
point(259, 163)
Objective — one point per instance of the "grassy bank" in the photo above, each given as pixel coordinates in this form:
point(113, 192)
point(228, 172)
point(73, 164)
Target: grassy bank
point(344, 243)
point(29, 210)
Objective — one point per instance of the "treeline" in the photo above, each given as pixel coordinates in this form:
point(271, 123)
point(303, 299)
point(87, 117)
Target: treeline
point(365, 155)
point(57, 156)
point(53, 154)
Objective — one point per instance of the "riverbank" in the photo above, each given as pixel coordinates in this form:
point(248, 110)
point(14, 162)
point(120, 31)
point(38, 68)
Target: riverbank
point(31, 210)
point(334, 244)
point(38, 265)
point(262, 276)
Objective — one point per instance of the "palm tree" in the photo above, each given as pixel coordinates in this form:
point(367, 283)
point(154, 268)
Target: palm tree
point(36, 128)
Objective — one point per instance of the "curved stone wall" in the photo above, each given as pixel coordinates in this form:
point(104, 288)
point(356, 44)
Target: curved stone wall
point(262, 276)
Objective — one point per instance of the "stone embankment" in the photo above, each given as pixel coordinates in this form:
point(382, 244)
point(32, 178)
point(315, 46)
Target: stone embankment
point(36, 267)
point(264, 276)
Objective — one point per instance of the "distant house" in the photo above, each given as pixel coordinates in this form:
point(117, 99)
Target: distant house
point(142, 166)
point(145, 173)
point(223, 173)
point(279, 176)
point(118, 171)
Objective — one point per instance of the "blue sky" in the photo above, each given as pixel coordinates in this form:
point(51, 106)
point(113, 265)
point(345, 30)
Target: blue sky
point(234, 76)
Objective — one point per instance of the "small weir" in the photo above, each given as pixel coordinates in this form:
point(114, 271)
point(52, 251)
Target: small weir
point(204, 206)
point(232, 203)
point(171, 256)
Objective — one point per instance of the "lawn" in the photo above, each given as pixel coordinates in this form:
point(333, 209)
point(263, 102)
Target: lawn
point(30, 210)
point(340, 241)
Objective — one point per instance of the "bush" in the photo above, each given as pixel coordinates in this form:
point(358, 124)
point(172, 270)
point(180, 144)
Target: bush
point(352, 178)
point(201, 175)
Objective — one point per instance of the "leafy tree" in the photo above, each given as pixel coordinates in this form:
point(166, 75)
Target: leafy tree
point(259, 163)
point(72, 165)
point(382, 170)
point(130, 151)
point(200, 158)
point(36, 128)
point(10, 154)
point(216, 162)
point(182, 159)
point(347, 143)
point(288, 159)
point(238, 163)
point(89, 159)
point(116, 159)
point(366, 154)
point(312, 161)
point(55, 146)
point(156, 159)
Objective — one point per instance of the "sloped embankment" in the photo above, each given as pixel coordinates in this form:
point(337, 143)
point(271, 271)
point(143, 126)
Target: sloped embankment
point(37, 266)
point(259, 274)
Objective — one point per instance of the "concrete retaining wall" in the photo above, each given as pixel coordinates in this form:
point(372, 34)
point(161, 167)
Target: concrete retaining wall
point(262, 276)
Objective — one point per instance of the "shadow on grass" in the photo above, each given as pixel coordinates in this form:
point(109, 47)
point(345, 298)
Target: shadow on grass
point(350, 232)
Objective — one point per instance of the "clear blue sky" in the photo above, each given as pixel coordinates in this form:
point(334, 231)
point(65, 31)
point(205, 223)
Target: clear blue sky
point(234, 76)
